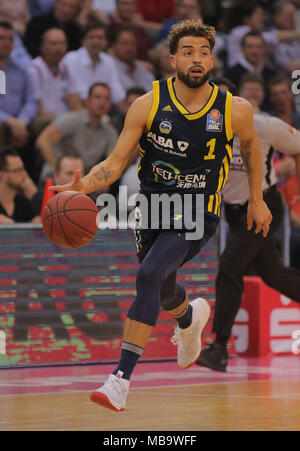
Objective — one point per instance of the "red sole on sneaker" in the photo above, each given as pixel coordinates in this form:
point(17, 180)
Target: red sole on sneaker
point(191, 364)
point(102, 400)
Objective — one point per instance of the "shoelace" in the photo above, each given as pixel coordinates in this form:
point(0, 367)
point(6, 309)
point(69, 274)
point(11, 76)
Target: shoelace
point(117, 386)
point(176, 337)
point(180, 335)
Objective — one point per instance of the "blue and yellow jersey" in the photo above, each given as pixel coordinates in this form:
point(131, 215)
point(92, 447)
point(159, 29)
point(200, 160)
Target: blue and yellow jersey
point(183, 152)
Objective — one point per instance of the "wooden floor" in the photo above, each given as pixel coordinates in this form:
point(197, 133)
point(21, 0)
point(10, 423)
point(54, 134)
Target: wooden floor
point(271, 405)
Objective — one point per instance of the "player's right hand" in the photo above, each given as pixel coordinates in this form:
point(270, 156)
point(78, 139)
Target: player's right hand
point(75, 185)
point(259, 213)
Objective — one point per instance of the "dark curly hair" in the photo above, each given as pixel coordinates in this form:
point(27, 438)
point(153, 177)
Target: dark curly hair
point(190, 28)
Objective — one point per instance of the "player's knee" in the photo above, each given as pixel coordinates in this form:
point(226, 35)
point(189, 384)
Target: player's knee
point(148, 275)
point(141, 311)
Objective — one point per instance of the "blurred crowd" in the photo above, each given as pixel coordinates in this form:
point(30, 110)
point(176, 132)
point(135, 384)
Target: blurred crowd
point(74, 67)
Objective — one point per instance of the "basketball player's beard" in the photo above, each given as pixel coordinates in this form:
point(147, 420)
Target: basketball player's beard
point(193, 83)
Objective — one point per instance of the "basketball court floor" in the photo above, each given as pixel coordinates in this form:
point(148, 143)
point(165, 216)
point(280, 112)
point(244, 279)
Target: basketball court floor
point(255, 394)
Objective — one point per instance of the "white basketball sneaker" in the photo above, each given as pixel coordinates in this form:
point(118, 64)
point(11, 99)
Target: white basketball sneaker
point(113, 393)
point(189, 340)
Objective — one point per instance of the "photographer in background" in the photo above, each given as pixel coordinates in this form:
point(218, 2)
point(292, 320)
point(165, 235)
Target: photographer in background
point(14, 205)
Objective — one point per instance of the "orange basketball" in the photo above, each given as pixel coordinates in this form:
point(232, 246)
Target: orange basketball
point(69, 219)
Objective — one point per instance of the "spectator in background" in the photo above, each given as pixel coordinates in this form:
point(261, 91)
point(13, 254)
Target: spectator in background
point(86, 133)
point(15, 12)
point(160, 58)
point(251, 87)
point(247, 16)
point(40, 7)
point(118, 119)
point(124, 16)
point(186, 9)
point(281, 101)
point(296, 3)
point(61, 16)
point(190, 9)
point(53, 86)
point(64, 171)
point(18, 105)
point(105, 6)
point(90, 64)
point(150, 14)
point(14, 205)
point(130, 72)
point(211, 11)
point(250, 16)
point(287, 54)
point(226, 84)
point(19, 53)
point(253, 59)
point(89, 15)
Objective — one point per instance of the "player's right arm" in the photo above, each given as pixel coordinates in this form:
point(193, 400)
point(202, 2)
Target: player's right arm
point(108, 171)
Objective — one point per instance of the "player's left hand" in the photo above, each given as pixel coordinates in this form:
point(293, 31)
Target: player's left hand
point(74, 185)
point(259, 213)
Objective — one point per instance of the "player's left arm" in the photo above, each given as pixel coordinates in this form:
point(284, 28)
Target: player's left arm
point(243, 127)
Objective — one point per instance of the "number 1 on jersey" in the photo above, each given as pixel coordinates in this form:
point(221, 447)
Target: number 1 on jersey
point(211, 144)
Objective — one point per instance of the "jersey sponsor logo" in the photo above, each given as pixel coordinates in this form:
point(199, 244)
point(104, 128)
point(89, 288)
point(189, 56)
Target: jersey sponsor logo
point(165, 127)
point(214, 121)
point(161, 140)
point(168, 174)
point(182, 145)
point(215, 114)
point(162, 175)
point(167, 145)
point(167, 108)
point(237, 163)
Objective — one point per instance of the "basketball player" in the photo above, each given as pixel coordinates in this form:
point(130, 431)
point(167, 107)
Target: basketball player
point(184, 128)
point(243, 247)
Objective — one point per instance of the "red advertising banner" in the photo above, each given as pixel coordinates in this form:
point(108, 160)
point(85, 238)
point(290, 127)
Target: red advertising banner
point(267, 324)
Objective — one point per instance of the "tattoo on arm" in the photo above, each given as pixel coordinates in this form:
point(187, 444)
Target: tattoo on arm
point(100, 175)
point(245, 147)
